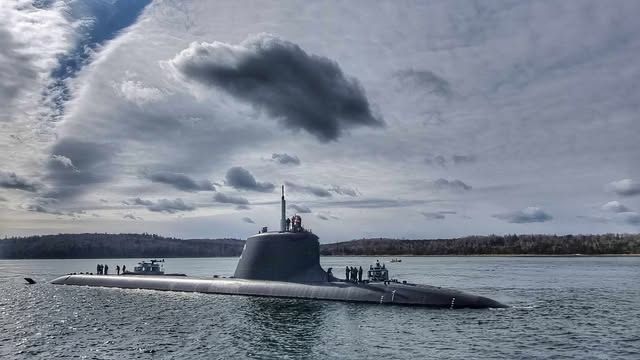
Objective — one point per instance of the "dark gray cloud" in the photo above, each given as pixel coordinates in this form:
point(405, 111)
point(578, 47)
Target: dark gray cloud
point(230, 199)
point(342, 190)
point(625, 187)
point(300, 208)
point(285, 159)
point(436, 215)
point(131, 217)
point(630, 218)
point(170, 206)
point(248, 220)
point(425, 79)
point(314, 190)
point(615, 206)
point(456, 159)
point(241, 179)
point(42, 209)
point(181, 181)
point(527, 215)
point(463, 159)
point(303, 91)
point(9, 180)
point(138, 201)
point(437, 160)
point(90, 165)
point(453, 185)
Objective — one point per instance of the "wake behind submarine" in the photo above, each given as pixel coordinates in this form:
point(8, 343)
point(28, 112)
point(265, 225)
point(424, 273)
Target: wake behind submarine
point(286, 264)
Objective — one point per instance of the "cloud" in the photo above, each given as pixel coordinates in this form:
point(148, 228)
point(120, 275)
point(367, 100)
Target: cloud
point(230, 199)
point(453, 185)
point(437, 160)
point(248, 220)
point(463, 159)
point(241, 179)
point(527, 215)
point(42, 209)
point(16, 69)
point(303, 91)
point(377, 203)
point(243, 207)
point(64, 161)
point(615, 206)
point(300, 208)
point(341, 190)
point(91, 165)
point(624, 187)
point(138, 201)
point(181, 181)
point(285, 159)
point(437, 215)
point(630, 218)
point(425, 79)
point(170, 206)
point(314, 190)
point(9, 180)
point(2, 198)
point(322, 217)
point(130, 216)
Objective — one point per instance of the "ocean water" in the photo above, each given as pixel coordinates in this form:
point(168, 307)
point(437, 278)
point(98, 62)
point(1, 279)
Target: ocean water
point(574, 308)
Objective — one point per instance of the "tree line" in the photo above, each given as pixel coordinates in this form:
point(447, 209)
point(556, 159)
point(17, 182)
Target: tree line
point(65, 246)
point(492, 245)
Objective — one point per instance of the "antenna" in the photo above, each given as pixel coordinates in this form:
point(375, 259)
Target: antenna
point(283, 218)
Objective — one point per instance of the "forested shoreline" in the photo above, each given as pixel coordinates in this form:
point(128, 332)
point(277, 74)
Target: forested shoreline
point(492, 245)
point(68, 246)
point(78, 246)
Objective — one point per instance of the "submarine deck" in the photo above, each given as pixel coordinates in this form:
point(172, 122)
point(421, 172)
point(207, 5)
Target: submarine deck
point(380, 293)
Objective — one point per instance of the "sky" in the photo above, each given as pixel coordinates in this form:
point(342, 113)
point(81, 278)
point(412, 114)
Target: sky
point(426, 119)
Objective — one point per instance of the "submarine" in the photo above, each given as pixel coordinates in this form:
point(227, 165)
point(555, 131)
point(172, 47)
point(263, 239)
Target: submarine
point(286, 264)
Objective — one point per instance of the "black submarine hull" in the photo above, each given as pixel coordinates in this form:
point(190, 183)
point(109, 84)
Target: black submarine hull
point(376, 293)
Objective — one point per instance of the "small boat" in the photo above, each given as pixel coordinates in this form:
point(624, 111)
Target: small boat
point(152, 267)
point(395, 260)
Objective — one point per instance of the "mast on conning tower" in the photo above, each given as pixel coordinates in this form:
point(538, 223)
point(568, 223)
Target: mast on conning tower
point(283, 218)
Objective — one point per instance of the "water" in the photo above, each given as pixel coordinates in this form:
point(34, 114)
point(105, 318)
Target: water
point(579, 307)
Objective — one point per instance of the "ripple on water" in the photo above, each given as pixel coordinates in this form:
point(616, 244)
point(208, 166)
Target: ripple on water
point(559, 308)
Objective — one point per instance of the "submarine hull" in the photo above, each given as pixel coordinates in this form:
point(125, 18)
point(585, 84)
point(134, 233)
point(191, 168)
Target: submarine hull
point(378, 293)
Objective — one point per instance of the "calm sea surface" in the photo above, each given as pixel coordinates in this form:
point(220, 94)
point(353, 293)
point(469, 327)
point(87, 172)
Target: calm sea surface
point(578, 308)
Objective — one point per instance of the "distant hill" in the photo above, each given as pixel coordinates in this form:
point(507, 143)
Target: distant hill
point(66, 246)
point(492, 245)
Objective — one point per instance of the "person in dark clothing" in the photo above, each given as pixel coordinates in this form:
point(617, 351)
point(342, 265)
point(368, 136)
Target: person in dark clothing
point(329, 274)
point(360, 274)
point(124, 269)
point(346, 273)
point(288, 224)
point(118, 269)
point(106, 269)
point(354, 274)
point(98, 269)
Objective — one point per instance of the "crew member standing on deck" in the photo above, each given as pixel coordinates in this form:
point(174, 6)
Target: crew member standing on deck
point(346, 273)
point(360, 274)
point(124, 269)
point(106, 269)
point(118, 269)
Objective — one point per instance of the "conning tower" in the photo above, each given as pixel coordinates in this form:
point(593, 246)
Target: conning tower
point(287, 255)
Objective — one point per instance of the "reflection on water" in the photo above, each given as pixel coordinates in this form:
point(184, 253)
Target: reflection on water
point(284, 325)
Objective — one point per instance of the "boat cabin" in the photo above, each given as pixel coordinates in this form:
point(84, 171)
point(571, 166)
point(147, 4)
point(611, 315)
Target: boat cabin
point(378, 273)
point(152, 267)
